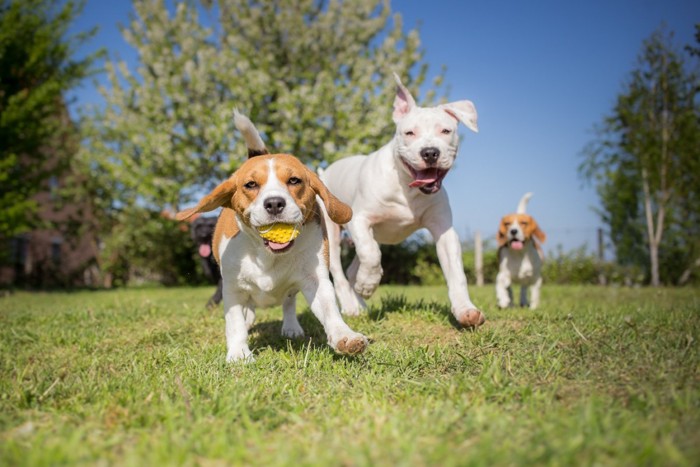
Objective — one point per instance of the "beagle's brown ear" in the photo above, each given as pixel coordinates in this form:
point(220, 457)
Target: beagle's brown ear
point(220, 196)
point(339, 212)
point(502, 231)
point(539, 234)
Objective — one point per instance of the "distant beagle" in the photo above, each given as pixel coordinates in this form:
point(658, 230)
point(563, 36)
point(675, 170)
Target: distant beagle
point(519, 257)
point(259, 267)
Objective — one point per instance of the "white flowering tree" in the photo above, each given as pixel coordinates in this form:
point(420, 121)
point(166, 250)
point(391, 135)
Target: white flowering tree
point(314, 76)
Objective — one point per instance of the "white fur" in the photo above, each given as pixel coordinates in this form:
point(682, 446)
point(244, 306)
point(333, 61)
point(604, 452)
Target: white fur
point(255, 276)
point(386, 210)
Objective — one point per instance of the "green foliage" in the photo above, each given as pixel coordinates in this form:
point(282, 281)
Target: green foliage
point(597, 376)
point(315, 78)
point(37, 68)
point(579, 266)
point(146, 246)
point(645, 164)
point(490, 265)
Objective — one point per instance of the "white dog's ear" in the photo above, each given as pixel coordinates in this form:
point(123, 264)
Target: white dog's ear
point(464, 111)
point(403, 102)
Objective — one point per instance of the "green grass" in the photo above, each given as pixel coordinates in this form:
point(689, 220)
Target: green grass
point(137, 377)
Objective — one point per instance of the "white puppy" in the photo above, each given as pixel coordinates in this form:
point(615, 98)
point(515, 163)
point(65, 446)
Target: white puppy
point(519, 257)
point(397, 190)
point(271, 190)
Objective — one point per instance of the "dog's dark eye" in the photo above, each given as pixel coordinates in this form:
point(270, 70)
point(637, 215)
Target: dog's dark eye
point(294, 181)
point(446, 131)
point(524, 223)
point(409, 133)
point(251, 185)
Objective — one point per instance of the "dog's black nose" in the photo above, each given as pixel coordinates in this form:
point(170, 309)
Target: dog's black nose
point(430, 155)
point(513, 231)
point(274, 204)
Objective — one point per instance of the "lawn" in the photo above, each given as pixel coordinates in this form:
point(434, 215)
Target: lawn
point(605, 376)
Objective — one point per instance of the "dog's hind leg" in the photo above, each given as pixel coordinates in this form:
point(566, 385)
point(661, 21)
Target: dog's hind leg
point(350, 304)
point(523, 296)
point(290, 324)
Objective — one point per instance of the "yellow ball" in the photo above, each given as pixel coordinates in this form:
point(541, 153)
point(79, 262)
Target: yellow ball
point(279, 233)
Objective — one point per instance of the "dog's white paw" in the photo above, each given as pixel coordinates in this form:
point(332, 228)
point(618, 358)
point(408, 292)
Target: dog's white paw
point(351, 343)
point(367, 280)
point(241, 354)
point(292, 331)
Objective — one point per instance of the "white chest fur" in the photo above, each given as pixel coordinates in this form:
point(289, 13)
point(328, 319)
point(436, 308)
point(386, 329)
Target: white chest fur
point(263, 278)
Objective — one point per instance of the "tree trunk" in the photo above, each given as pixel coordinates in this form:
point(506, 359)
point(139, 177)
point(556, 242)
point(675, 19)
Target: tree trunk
point(652, 238)
point(686, 274)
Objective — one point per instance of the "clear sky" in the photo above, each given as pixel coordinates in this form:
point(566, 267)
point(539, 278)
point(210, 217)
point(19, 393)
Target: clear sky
point(541, 73)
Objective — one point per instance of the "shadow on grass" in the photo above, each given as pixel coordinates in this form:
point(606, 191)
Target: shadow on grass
point(398, 303)
point(269, 334)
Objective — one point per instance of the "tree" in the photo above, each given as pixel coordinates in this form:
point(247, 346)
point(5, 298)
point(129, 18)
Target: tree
point(314, 76)
point(37, 68)
point(645, 162)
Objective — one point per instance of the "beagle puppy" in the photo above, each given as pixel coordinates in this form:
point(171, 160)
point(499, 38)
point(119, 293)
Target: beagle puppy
point(271, 190)
point(519, 257)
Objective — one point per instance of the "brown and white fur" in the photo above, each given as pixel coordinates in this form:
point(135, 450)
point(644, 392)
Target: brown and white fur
point(519, 257)
point(267, 189)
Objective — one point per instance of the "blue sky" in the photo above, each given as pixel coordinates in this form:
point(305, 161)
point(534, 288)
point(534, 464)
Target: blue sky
point(541, 73)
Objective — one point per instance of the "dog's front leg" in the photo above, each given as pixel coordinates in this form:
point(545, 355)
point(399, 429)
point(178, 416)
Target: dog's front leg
point(290, 324)
point(504, 293)
point(215, 299)
point(367, 250)
point(238, 318)
point(535, 294)
point(450, 256)
point(321, 299)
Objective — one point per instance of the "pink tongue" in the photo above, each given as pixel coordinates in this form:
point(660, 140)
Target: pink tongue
point(516, 245)
point(424, 177)
point(204, 250)
point(277, 246)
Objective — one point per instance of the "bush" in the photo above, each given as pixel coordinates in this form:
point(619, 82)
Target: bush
point(582, 267)
point(149, 247)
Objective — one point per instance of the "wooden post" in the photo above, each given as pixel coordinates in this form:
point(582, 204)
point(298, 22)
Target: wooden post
point(602, 280)
point(478, 259)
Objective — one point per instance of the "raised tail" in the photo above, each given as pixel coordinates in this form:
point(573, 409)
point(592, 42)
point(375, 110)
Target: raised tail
point(522, 205)
point(252, 138)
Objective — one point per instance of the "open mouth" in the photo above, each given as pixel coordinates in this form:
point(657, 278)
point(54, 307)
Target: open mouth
point(278, 247)
point(429, 180)
point(516, 244)
point(204, 250)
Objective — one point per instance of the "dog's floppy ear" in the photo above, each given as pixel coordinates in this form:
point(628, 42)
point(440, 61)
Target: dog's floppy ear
point(220, 196)
point(538, 233)
point(502, 231)
point(339, 212)
point(403, 102)
point(464, 111)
